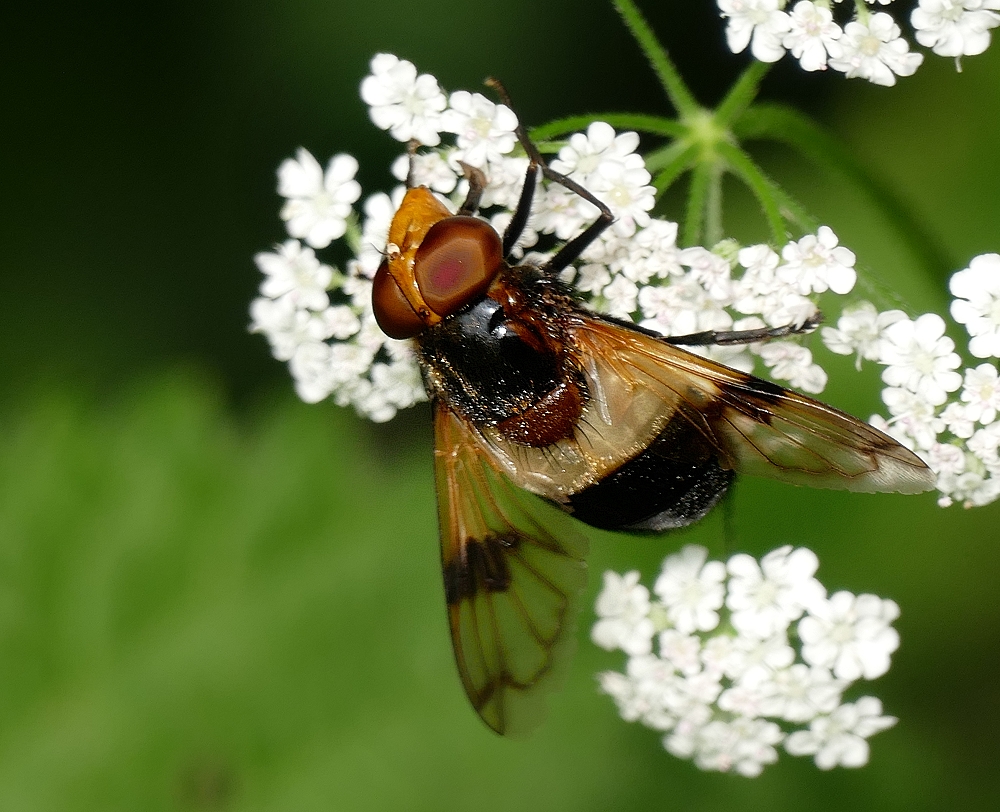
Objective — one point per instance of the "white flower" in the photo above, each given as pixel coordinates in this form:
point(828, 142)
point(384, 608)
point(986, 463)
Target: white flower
point(875, 51)
point(293, 271)
point(977, 304)
point(850, 634)
point(652, 252)
point(318, 203)
point(985, 445)
point(691, 590)
point(946, 458)
point(743, 745)
point(682, 651)
point(793, 363)
point(592, 279)
point(981, 392)
point(956, 418)
point(758, 23)
point(800, 693)
point(840, 737)
point(921, 358)
point(764, 598)
point(485, 130)
point(812, 36)
point(288, 328)
point(624, 187)
point(913, 420)
point(407, 105)
point(584, 155)
point(559, 211)
point(859, 330)
point(710, 271)
point(817, 263)
point(681, 308)
point(955, 27)
point(623, 609)
point(429, 169)
point(621, 297)
point(312, 370)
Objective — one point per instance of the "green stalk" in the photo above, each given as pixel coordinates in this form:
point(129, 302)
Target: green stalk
point(763, 188)
point(677, 92)
point(701, 179)
point(741, 94)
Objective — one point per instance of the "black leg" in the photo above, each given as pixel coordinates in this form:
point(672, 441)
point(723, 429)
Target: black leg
point(515, 228)
point(571, 250)
point(708, 337)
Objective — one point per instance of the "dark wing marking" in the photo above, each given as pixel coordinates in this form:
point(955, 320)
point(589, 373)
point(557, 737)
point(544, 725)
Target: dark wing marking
point(512, 585)
point(755, 426)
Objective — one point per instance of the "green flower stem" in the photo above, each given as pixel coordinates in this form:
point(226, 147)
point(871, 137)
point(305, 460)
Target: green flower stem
point(677, 92)
point(763, 188)
point(713, 205)
point(669, 163)
point(701, 180)
point(787, 126)
point(742, 94)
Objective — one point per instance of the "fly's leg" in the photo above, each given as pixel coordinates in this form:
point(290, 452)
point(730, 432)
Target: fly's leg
point(707, 337)
point(571, 250)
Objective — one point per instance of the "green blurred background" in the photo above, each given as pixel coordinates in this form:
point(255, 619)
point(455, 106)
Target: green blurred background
point(215, 597)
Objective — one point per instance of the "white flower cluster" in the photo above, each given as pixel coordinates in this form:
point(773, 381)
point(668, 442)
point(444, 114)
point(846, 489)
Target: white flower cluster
point(730, 660)
point(870, 45)
point(951, 417)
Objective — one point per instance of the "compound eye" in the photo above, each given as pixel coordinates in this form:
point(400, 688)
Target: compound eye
point(392, 312)
point(456, 262)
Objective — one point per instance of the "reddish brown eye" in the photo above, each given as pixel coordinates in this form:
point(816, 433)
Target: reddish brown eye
point(392, 312)
point(456, 263)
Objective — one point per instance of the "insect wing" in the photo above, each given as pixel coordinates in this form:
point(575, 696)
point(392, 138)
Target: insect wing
point(755, 426)
point(513, 572)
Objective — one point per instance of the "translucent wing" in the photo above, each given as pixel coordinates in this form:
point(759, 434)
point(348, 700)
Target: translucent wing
point(512, 584)
point(755, 426)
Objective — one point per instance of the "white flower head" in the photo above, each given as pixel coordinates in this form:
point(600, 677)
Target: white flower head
point(726, 691)
point(921, 358)
point(623, 609)
point(813, 36)
point(981, 393)
point(859, 331)
point(977, 304)
point(840, 738)
point(293, 271)
point(585, 153)
point(955, 27)
point(817, 263)
point(761, 24)
point(792, 362)
point(691, 589)
point(765, 598)
point(875, 51)
point(407, 105)
point(318, 203)
point(484, 129)
point(850, 634)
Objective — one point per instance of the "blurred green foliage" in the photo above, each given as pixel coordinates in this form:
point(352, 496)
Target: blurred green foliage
point(200, 612)
point(215, 597)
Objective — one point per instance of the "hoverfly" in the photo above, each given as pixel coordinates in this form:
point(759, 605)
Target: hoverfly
point(617, 426)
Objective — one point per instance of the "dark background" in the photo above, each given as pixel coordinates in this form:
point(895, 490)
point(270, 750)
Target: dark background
point(212, 596)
